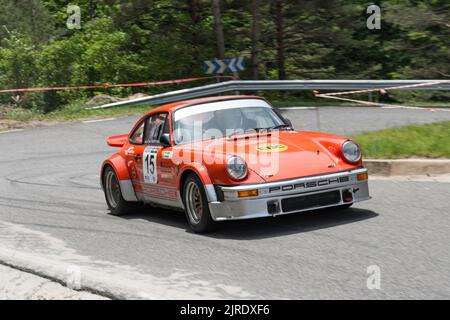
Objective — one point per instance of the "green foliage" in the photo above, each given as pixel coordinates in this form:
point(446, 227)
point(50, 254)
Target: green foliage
point(18, 61)
point(27, 17)
point(423, 37)
point(144, 40)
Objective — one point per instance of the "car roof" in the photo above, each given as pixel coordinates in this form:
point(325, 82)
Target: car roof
point(180, 104)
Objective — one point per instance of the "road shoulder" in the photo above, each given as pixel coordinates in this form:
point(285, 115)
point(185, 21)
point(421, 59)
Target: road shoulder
point(407, 167)
point(19, 285)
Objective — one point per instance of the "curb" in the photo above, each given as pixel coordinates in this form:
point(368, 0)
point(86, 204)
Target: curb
point(93, 283)
point(403, 167)
point(20, 285)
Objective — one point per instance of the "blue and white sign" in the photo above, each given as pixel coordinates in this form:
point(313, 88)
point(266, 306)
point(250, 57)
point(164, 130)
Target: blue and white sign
point(232, 65)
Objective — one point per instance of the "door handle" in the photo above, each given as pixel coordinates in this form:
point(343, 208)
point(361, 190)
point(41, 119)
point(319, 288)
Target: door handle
point(138, 156)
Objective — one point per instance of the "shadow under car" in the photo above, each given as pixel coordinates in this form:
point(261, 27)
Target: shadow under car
point(260, 228)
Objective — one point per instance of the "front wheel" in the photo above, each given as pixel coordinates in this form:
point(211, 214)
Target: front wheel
point(196, 205)
point(116, 203)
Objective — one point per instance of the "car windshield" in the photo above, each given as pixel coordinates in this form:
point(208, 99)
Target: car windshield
point(224, 118)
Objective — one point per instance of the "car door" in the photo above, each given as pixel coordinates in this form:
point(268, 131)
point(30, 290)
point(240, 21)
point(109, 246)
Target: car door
point(133, 156)
point(158, 172)
point(166, 165)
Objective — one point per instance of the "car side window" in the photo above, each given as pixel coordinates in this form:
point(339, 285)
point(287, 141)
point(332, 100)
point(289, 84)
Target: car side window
point(154, 128)
point(138, 135)
point(166, 126)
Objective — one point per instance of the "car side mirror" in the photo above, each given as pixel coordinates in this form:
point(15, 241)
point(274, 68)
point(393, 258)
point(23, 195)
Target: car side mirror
point(288, 122)
point(165, 140)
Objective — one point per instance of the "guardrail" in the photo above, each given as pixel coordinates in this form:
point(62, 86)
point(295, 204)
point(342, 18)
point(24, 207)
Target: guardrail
point(299, 85)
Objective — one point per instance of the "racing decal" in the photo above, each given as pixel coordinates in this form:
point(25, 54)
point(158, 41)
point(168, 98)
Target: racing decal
point(158, 192)
point(149, 164)
point(268, 147)
point(167, 154)
point(129, 151)
point(166, 175)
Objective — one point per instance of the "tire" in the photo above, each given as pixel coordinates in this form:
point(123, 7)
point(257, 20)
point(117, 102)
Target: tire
point(117, 205)
point(196, 205)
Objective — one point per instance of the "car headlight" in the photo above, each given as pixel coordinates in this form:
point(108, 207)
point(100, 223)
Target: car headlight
point(351, 151)
point(236, 167)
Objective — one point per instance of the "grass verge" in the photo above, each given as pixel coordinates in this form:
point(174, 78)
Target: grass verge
point(429, 141)
point(13, 118)
point(74, 111)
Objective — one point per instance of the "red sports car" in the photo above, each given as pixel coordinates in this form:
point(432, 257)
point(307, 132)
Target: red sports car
point(233, 157)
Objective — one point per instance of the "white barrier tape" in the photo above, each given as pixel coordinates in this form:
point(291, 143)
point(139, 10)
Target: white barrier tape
point(386, 89)
point(383, 105)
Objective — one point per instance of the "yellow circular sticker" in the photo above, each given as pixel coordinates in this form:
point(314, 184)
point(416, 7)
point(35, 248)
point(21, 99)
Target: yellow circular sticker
point(267, 147)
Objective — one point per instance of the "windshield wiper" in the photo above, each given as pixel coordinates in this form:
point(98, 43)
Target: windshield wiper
point(257, 130)
point(280, 126)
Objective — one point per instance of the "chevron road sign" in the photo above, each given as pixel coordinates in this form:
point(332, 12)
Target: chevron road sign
point(232, 65)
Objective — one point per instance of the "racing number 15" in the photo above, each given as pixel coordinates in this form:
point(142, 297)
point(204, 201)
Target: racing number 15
point(149, 164)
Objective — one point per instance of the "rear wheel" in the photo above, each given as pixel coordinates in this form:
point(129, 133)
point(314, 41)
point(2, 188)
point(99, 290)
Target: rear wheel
point(116, 203)
point(196, 205)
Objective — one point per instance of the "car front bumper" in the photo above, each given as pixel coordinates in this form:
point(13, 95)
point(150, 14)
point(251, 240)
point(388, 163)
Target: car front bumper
point(289, 196)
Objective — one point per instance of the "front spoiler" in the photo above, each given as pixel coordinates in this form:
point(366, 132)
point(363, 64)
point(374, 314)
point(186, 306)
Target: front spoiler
point(234, 208)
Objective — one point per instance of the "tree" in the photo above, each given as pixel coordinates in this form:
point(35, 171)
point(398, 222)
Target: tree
point(220, 42)
point(145, 40)
point(423, 37)
point(279, 18)
point(195, 19)
point(255, 39)
point(26, 17)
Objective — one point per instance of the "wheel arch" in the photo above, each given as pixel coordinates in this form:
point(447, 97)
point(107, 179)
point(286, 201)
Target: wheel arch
point(117, 163)
point(202, 173)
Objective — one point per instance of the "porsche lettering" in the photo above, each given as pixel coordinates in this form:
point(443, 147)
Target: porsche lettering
point(310, 184)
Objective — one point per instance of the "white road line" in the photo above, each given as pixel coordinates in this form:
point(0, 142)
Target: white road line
point(13, 130)
point(99, 120)
point(298, 108)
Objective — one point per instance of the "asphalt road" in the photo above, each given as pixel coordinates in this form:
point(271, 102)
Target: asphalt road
point(52, 211)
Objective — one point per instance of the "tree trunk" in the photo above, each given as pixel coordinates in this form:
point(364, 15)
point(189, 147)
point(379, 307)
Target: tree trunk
point(195, 19)
point(218, 27)
point(280, 39)
point(255, 39)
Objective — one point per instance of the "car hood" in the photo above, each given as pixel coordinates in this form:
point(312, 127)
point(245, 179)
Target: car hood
point(282, 155)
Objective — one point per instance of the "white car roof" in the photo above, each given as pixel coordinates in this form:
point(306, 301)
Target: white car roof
point(219, 105)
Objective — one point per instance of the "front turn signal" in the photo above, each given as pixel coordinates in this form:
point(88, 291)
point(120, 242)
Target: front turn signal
point(248, 193)
point(362, 176)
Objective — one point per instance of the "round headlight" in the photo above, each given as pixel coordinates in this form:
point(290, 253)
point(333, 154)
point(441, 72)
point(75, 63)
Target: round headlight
point(236, 167)
point(351, 151)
